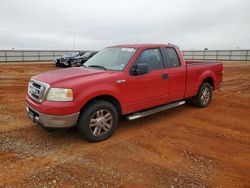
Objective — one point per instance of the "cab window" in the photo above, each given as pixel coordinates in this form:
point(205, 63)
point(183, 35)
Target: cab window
point(151, 57)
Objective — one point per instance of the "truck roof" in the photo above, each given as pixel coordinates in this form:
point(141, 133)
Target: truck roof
point(143, 45)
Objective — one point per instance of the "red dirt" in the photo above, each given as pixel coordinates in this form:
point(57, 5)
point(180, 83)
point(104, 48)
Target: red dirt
point(182, 147)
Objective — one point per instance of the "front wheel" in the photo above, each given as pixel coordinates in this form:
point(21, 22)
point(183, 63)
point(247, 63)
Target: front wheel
point(98, 121)
point(204, 95)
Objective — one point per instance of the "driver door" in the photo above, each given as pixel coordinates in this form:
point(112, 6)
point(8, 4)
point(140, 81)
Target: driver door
point(150, 89)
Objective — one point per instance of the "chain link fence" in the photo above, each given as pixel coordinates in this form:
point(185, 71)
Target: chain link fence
point(31, 55)
point(48, 55)
point(226, 55)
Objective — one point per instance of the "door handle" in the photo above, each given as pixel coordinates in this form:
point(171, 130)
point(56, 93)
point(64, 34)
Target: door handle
point(165, 76)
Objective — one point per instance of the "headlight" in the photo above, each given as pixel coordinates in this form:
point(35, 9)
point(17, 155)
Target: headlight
point(60, 94)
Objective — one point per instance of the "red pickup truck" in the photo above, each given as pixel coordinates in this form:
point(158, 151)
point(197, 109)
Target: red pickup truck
point(124, 80)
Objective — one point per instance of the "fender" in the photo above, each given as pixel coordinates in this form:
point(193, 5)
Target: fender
point(93, 91)
point(206, 74)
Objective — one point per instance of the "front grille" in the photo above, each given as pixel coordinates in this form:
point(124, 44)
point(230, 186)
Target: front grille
point(37, 90)
point(37, 86)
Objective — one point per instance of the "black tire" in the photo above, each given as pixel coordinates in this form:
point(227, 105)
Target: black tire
point(69, 64)
point(57, 64)
point(90, 113)
point(189, 101)
point(201, 100)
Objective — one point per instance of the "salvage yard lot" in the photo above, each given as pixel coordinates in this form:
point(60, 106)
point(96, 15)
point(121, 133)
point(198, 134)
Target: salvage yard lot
point(181, 147)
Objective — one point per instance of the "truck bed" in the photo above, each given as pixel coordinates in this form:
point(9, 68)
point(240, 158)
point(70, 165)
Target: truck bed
point(196, 70)
point(193, 62)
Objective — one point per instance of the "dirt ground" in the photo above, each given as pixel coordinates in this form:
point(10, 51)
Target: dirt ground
point(181, 147)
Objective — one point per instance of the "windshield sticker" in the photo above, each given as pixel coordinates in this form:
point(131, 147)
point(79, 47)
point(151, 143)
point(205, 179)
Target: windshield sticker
point(128, 49)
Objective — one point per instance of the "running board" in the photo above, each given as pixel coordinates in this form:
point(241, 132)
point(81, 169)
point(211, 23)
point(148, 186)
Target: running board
point(154, 110)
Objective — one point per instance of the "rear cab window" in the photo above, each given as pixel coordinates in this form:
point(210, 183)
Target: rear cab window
point(171, 57)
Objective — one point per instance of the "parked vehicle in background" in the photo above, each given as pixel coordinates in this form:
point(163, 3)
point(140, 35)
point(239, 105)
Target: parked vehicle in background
point(56, 61)
point(66, 59)
point(81, 59)
point(124, 80)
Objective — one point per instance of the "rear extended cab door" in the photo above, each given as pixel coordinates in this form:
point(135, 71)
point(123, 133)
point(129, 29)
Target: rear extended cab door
point(176, 70)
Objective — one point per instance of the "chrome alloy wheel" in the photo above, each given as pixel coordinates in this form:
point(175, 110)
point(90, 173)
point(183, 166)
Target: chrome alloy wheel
point(101, 122)
point(205, 95)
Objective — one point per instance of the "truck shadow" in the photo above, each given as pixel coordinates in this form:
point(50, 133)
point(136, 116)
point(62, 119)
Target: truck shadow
point(126, 125)
point(33, 139)
point(147, 121)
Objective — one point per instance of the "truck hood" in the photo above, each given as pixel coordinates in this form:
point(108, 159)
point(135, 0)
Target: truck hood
point(62, 75)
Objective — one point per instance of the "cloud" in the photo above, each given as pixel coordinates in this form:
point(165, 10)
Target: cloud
point(46, 24)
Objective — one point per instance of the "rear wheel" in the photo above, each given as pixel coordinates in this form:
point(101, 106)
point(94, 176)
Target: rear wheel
point(98, 121)
point(204, 95)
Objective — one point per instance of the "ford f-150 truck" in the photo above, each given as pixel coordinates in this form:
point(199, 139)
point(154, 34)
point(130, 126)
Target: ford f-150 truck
point(123, 80)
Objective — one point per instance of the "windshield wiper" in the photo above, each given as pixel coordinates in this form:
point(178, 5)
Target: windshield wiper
point(98, 66)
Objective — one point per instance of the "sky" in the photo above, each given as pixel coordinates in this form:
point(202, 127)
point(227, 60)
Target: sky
point(95, 24)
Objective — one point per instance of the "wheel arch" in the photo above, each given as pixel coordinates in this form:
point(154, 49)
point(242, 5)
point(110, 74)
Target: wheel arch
point(207, 76)
point(109, 98)
point(210, 81)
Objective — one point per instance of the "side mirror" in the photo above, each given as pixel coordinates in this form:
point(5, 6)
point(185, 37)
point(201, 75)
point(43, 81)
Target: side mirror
point(139, 69)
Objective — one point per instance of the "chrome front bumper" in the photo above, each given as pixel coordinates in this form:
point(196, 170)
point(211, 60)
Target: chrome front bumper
point(53, 121)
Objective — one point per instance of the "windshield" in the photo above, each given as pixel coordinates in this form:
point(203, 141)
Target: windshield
point(86, 54)
point(111, 58)
point(71, 54)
